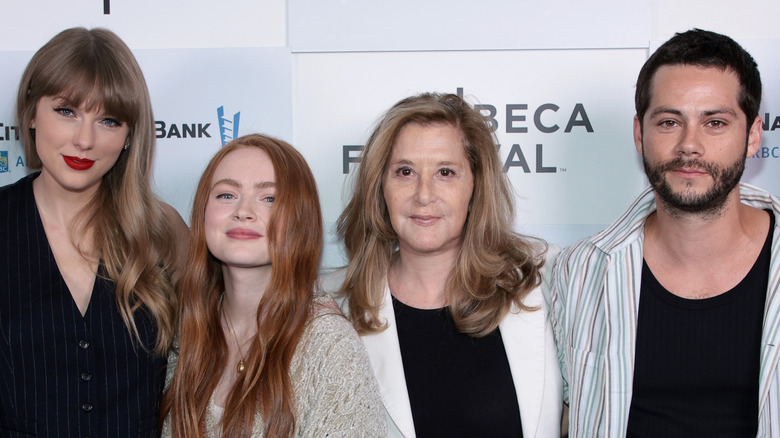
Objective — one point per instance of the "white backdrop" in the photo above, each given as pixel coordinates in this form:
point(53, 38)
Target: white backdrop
point(318, 73)
point(413, 25)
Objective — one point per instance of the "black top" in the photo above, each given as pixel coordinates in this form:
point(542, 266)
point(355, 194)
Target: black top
point(61, 373)
point(697, 361)
point(458, 386)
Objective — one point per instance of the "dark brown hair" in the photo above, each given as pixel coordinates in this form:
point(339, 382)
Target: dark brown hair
point(704, 49)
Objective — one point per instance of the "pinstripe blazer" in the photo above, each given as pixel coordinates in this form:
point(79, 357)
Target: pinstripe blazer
point(595, 300)
point(61, 373)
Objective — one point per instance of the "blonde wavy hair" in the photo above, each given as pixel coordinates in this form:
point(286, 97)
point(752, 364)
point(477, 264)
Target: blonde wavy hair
point(130, 229)
point(495, 267)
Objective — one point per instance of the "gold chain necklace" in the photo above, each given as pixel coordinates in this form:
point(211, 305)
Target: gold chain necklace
point(241, 366)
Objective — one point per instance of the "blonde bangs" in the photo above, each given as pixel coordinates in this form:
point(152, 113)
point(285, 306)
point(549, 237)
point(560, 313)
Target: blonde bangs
point(99, 91)
point(91, 74)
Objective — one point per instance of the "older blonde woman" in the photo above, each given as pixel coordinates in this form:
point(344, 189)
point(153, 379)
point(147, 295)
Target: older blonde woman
point(446, 297)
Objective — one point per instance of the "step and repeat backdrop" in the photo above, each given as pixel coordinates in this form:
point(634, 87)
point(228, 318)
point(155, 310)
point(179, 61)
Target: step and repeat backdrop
point(556, 80)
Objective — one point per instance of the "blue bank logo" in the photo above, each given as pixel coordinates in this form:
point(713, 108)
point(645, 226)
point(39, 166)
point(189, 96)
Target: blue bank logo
point(228, 127)
point(767, 152)
point(3, 161)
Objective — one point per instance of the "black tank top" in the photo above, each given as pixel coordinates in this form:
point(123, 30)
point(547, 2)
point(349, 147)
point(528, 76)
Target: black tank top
point(696, 367)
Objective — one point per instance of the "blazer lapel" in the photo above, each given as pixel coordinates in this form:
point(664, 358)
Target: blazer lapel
point(385, 353)
point(524, 342)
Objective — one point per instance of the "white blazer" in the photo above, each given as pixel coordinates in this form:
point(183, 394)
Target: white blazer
point(530, 349)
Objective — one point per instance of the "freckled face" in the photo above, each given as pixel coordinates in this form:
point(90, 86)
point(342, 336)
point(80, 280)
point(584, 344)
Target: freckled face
point(77, 147)
point(427, 187)
point(243, 191)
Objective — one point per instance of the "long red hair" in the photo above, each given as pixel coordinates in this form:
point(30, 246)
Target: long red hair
point(295, 241)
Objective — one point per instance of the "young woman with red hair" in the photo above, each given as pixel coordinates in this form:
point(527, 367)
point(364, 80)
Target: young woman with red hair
point(261, 352)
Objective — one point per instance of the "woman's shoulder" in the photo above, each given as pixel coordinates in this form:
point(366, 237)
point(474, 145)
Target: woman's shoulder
point(335, 385)
point(21, 187)
point(15, 199)
point(329, 335)
point(327, 319)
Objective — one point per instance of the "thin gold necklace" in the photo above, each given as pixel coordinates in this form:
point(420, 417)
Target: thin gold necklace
point(241, 366)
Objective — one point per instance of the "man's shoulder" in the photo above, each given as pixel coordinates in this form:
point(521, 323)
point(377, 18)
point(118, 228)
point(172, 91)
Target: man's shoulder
point(626, 230)
point(582, 255)
point(598, 245)
point(583, 248)
point(594, 254)
point(758, 198)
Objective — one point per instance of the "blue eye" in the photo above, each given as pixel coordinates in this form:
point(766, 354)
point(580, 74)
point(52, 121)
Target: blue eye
point(65, 111)
point(111, 122)
point(269, 198)
point(225, 196)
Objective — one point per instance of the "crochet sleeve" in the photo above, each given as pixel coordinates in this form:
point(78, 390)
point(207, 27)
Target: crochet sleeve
point(337, 393)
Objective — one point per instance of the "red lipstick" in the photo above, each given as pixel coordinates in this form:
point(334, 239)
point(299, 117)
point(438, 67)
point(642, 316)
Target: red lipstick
point(77, 163)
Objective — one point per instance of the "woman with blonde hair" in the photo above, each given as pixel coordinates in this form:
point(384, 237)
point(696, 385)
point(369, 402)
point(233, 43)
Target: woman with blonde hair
point(446, 297)
point(260, 352)
point(86, 296)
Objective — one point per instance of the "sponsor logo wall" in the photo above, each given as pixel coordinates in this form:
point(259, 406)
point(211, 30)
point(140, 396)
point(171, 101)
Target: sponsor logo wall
point(556, 80)
point(562, 120)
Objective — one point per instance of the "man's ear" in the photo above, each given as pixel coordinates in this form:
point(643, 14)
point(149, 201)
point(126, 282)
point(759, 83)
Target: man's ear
point(638, 135)
point(754, 136)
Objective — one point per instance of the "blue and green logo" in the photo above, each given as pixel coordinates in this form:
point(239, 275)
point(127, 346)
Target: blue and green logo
point(3, 161)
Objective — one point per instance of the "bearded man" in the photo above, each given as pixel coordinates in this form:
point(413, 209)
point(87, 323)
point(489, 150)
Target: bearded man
point(668, 321)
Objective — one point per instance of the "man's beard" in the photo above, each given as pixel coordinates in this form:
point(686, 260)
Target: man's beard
point(683, 203)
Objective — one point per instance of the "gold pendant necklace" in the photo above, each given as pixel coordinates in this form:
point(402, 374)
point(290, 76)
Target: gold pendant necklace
point(241, 365)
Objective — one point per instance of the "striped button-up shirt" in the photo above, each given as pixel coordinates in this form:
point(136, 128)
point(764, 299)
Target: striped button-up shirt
point(595, 302)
